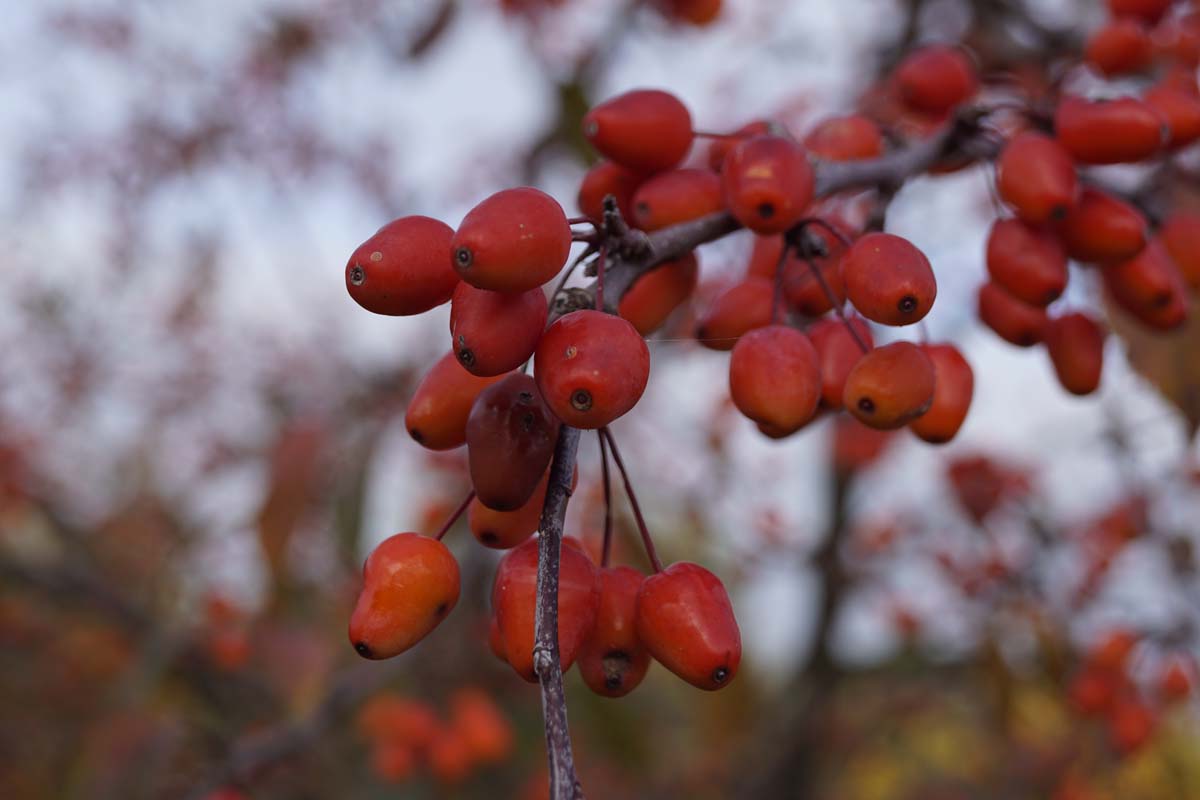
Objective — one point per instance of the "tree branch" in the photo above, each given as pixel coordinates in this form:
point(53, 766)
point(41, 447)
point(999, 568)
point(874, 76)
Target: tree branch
point(564, 784)
point(633, 253)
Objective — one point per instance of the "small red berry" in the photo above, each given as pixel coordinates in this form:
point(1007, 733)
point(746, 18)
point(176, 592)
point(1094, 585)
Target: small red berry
point(1035, 175)
point(768, 183)
point(890, 386)
point(410, 584)
point(493, 332)
point(676, 196)
point(514, 601)
point(847, 138)
point(513, 241)
point(657, 293)
point(954, 385)
point(404, 268)
point(510, 439)
point(1115, 131)
point(936, 78)
point(437, 414)
point(685, 620)
point(604, 179)
point(1075, 343)
point(1099, 228)
point(1029, 263)
point(888, 279)
point(646, 130)
point(740, 308)
point(774, 378)
point(837, 353)
point(614, 660)
point(1012, 320)
point(591, 367)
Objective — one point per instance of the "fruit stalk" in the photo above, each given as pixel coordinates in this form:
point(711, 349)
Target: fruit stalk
point(564, 783)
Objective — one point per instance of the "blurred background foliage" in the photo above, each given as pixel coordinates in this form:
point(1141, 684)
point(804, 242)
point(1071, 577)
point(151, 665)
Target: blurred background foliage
point(200, 438)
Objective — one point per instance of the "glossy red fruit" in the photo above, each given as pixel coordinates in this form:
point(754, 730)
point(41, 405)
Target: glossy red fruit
point(774, 378)
point(513, 241)
point(510, 439)
point(1149, 287)
point(501, 530)
point(1099, 228)
point(591, 367)
point(1180, 109)
point(740, 308)
point(720, 147)
point(888, 279)
point(1075, 343)
point(1116, 131)
point(1175, 679)
point(685, 620)
point(837, 353)
point(1119, 47)
point(607, 178)
point(493, 333)
point(657, 293)
point(936, 78)
point(1029, 263)
point(768, 183)
point(614, 660)
point(676, 196)
point(1131, 723)
point(514, 602)
point(1147, 10)
point(890, 386)
point(646, 130)
point(847, 138)
point(404, 268)
point(954, 386)
point(1180, 234)
point(410, 584)
point(1035, 175)
point(495, 640)
point(437, 414)
point(1012, 320)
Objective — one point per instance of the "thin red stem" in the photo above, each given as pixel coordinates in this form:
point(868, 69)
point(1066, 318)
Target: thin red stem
point(580, 221)
point(606, 546)
point(637, 510)
point(458, 512)
point(837, 304)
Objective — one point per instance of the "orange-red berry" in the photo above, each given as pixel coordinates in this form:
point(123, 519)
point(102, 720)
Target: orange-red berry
point(685, 620)
point(1035, 175)
point(890, 386)
point(1099, 228)
point(614, 660)
point(936, 78)
point(847, 138)
point(604, 179)
point(513, 241)
point(514, 601)
point(1028, 262)
point(954, 386)
point(437, 414)
point(888, 279)
point(657, 293)
point(740, 308)
point(1115, 131)
point(1075, 343)
point(676, 196)
point(404, 268)
point(591, 367)
point(1012, 320)
point(767, 182)
point(410, 584)
point(493, 332)
point(1119, 47)
point(837, 353)
point(646, 130)
point(774, 378)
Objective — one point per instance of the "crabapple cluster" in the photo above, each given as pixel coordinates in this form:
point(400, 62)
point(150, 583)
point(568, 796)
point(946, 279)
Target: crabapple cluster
point(822, 282)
